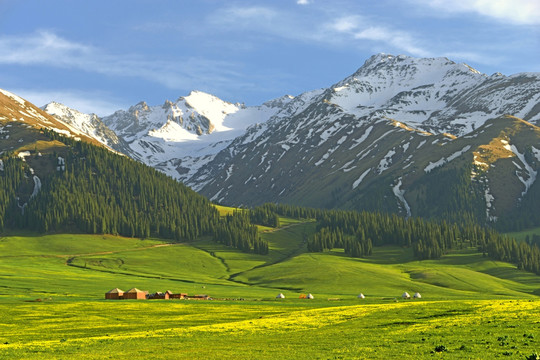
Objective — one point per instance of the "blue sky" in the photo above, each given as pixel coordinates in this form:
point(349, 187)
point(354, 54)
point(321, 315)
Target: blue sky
point(100, 56)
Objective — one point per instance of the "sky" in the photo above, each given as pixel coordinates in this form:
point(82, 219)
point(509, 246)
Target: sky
point(100, 56)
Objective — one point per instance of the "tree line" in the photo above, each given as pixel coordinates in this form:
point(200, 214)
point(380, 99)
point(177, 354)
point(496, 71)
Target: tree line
point(236, 230)
point(357, 233)
point(99, 192)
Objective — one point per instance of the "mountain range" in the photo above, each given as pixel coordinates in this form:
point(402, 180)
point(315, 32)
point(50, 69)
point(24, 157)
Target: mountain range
point(418, 137)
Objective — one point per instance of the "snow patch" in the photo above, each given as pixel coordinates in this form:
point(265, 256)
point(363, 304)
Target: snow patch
point(340, 88)
point(421, 143)
point(528, 168)
point(441, 162)
point(406, 147)
point(215, 197)
point(359, 180)
point(37, 187)
point(386, 161)
point(13, 96)
point(536, 153)
point(229, 172)
point(506, 145)
point(489, 205)
point(400, 194)
point(362, 138)
point(342, 140)
point(23, 155)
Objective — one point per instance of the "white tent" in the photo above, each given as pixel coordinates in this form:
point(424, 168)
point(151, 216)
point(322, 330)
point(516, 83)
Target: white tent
point(417, 295)
point(280, 296)
point(406, 295)
point(309, 296)
point(361, 296)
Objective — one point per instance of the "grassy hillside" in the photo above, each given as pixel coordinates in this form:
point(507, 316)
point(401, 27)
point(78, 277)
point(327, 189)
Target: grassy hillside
point(86, 266)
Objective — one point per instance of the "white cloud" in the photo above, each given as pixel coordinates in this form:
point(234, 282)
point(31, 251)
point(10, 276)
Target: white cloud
point(359, 28)
point(45, 48)
point(346, 24)
point(525, 12)
point(396, 38)
point(256, 21)
point(302, 2)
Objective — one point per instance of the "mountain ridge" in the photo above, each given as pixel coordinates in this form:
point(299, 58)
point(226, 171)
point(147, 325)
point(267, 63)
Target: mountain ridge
point(393, 112)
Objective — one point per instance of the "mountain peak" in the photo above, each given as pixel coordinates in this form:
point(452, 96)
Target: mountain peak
point(142, 105)
point(382, 61)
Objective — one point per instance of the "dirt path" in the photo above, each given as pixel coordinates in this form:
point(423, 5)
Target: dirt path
point(71, 257)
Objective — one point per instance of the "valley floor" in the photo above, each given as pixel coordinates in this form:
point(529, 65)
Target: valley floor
point(288, 329)
point(52, 301)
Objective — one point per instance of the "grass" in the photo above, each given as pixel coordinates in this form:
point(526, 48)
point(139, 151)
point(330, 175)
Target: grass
point(226, 210)
point(472, 307)
point(284, 330)
point(521, 235)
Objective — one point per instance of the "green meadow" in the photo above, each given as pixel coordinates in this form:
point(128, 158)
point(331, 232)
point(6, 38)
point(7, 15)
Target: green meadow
point(52, 301)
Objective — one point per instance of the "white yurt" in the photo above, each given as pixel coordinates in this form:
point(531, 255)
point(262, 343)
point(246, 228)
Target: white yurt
point(280, 296)
point(309, 296)
point(406, 295)
point(417, 295)
point(361, 296)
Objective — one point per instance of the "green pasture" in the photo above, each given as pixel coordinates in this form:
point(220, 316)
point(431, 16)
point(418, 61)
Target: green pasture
point(52, 301)
point(270, 330)
point(521, 235)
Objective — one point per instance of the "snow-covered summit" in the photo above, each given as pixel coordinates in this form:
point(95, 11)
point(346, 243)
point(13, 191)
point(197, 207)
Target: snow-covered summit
point(89, 124)
point(436, 95)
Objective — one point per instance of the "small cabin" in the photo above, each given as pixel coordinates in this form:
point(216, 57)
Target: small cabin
point(178, 296)
point(135, 294)
point(159, 295)
point(114, 294)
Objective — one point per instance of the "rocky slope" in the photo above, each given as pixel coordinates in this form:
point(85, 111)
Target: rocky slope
point(384, 138)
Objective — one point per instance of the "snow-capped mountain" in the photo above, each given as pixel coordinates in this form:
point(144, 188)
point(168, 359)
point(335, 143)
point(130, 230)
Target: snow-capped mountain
point(176, 137)
point(380, 139)
point(89, 124)
point(372, 140)
point(435, 94)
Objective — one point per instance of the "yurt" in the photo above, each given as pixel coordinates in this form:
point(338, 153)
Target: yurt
point(309, 296)
point(280, 296)
point(406, 295)
point(135, 294)
point(114, 294)
point(361, 296)
point(417, 295)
